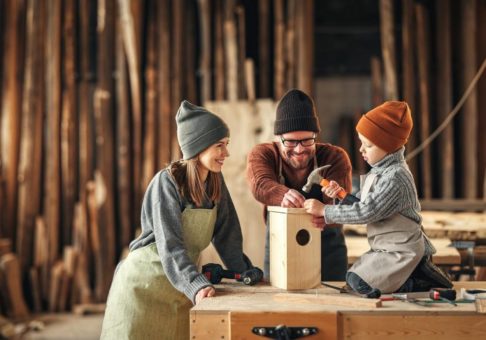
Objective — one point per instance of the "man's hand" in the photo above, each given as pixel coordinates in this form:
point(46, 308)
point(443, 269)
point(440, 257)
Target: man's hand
point(314, 207)
point(332, 189)
point(319, 222)
point(205, 292)
point(292, 199)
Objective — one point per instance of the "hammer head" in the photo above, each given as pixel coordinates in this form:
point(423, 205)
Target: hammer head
point(314, 178)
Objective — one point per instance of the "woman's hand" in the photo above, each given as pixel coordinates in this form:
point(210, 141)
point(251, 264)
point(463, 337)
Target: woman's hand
point(314, 207)
point(205, 292)
point(332, 189)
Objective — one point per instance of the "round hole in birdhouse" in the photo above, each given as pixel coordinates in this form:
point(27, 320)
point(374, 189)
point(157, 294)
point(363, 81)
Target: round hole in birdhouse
point(302, 237)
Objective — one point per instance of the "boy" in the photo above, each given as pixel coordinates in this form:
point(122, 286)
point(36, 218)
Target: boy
point(399, 258)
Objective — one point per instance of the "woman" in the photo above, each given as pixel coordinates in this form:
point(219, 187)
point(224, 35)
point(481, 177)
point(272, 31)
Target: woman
point(186, 206)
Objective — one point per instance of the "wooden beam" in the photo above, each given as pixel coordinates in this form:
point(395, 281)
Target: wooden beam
point(177, 62)
point(409, 78)
point(290, 50)
point(219, 72)
point(305, 46)
point(453, 204)
point(423, 43)
point(468, 62)
point(10, 266)
point(376, 82)
point(241, 39)
point(481, 38)
point(263, 48)
point(388, 49)
point(231, 50)
point(444, 97)
point(204, 7)
point(279, 38)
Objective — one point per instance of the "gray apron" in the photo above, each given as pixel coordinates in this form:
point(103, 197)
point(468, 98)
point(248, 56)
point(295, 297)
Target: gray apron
point(397, 245)
point(334, 259)
point(142, 303)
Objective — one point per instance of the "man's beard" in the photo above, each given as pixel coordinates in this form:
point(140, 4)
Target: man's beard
point(287, 156)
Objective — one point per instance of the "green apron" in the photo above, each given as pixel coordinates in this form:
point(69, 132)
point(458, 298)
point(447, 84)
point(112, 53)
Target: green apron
point(142, 303)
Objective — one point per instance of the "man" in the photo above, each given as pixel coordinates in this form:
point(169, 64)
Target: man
point(277, 171)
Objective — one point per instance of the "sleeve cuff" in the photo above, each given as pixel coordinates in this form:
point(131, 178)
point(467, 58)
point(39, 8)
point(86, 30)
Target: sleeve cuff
point(195, 286)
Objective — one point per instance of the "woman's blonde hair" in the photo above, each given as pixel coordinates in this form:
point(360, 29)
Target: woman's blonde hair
point(191, 187)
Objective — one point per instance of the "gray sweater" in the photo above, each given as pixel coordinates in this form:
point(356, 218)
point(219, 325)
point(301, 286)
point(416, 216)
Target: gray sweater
point(161, 219)
point(393, 192)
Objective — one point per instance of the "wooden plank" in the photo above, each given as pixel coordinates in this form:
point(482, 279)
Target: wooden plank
point(305, 45)
point(130, 35)
point(409, 79)
point(279, 51)
point(35, 289)
point(454, 205)
point(291, 53)
point(328, 299)
point(104, 176)
point(189, 80)
point(362, 326)
point(69, 121)
point(151, 127)
point(209, 325)
point(468, 65)
point(376, 82)
point(219, 77)
point(5, 246)
point(177, 61)
point(57, 273)
point(204, 9)
point(423, 41)
point(444, 97)
point(263, 48)
point(231, 51)
point(29, 176)
point(10, 266)
point(82, 289)
point(10, 113)
point(52, 192)
point(387, 35)
point(242, 323)
point(481, 50)
point(241, 34)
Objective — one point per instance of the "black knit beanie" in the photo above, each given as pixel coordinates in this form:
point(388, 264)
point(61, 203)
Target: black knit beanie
point(198, 129)
point(296, 112)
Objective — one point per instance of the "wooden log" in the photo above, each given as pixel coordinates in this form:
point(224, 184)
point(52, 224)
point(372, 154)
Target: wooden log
point(231, 52)
point(177, 61)
point(387, 35)
point(125, 191)
point(290, 50)
point(86, 10)
point(81, 289)
point(104, 176)
point(376, 82)
point(30, 162)
point(52, 198)
point(35, 289)
point(409, 79)
point(94, 234)
point(279, 38)
point(129, 33)
point(10, 266)
point(10, 113)
point(263, 48)
point(204, 7)
point(57, 273)
point(423, 42)
point(219, 76)
point(468, 62)
point(305, 45)
point(41, 256)
point(444, 97)
point(481, 37)
point(164, 117)
point(150, 130)
point(70, 264)
point(189, 69)
point(250, 79)
point(241, 33)
point(69, 120)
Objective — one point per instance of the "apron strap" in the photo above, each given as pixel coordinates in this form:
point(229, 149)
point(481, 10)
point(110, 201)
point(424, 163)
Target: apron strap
point(369, 181)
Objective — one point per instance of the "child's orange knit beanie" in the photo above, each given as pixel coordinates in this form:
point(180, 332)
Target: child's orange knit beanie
point(387, 126)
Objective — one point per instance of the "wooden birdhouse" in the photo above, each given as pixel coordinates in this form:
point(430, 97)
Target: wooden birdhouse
point(295, 249)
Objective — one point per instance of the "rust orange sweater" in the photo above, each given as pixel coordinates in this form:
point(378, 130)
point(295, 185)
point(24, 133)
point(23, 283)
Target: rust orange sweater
point(262, 171)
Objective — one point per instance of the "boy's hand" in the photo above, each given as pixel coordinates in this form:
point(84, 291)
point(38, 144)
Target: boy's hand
point(314, 207)
point(332, 189)
point(292, 199)
point(205, 292)
point(318, 222)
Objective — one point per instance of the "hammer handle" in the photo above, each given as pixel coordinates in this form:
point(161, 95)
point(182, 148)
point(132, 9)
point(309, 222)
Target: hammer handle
point(341, 194)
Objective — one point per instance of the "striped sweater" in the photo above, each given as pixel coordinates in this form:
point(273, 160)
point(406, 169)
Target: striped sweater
point(393, 192)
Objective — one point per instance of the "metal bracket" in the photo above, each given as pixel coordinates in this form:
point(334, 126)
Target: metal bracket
point(283, 332)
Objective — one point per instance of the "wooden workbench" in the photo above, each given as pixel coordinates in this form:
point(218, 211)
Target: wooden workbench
point(236, 309)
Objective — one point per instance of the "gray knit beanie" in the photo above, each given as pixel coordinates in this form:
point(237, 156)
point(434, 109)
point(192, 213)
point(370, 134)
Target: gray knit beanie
point(296, 112)
point(197, 129)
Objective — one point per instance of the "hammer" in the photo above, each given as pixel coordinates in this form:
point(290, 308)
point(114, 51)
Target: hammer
point(316, 178)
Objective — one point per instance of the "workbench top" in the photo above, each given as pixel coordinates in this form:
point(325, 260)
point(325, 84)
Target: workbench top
point(238, 312)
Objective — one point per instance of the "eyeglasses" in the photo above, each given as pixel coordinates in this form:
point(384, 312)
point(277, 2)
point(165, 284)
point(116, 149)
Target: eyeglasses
point(292, 143)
